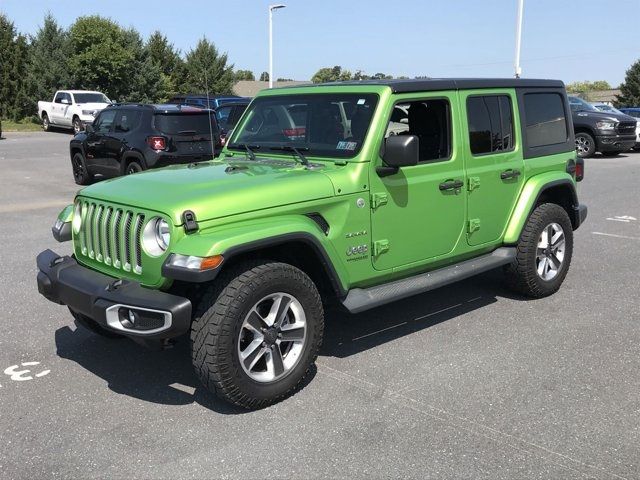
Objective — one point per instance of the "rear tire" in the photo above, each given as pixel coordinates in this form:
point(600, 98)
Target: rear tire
point(46, 125)
point(81, 174)
point(89, 324)
point(585, 145)
point(541, 265)
point(133, 167)
point(235, 351)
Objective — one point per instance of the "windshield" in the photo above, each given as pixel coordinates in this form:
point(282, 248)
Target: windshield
point(579, 105)
point(326, 125)
point(91, 98)
point(186, 123)
point(607, 108)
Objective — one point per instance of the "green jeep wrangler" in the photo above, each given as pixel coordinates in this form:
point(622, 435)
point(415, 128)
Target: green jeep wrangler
point(361, 192)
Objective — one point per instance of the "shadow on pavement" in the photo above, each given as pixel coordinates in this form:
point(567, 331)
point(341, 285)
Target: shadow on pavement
point(167, 377)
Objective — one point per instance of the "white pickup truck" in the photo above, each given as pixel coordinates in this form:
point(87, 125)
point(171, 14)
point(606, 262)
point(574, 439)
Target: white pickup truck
point(71, 109)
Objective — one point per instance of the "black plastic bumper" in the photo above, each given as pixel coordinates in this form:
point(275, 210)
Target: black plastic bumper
point(580, 215)
point(62, 280)
point(614, 143)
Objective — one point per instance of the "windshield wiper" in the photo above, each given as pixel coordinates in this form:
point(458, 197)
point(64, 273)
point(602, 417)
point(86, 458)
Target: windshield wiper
point(296, 150)
point(247, 148)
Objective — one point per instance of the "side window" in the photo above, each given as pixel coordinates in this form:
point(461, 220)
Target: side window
point(490, 120)
point(223, 115)
point(430, 121)
point(545, 117)
point(59, 97)
point(68, 97)
point(127, 120)
point(105, 121)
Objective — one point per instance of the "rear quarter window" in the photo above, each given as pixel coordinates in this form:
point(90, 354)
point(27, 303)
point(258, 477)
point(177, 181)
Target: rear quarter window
point(185, 123)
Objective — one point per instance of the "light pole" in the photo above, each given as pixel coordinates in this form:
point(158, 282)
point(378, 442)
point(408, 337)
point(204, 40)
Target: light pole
point(271, 9)
point(516, 64)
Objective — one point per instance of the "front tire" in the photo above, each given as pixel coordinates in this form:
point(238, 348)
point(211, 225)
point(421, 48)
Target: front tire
point(80, 173)
point(256, 333)
point(77, 125)
point(585, 145)
point(543, 252)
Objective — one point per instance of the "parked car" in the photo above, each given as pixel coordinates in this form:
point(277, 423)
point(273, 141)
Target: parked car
point(243, 252)
point(129, 138)
point(201, 100)
point(634, 112)
point(228, 115)
point(71, 109)
point(609, 133)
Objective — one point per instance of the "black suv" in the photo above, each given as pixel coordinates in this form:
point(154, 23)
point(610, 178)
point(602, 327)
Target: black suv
point(609, 133)
point(129, 138)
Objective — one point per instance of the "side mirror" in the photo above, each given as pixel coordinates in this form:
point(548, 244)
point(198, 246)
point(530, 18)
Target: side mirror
point(65, 101)
point(114, 101)
point(88, 128)
point(399, 151)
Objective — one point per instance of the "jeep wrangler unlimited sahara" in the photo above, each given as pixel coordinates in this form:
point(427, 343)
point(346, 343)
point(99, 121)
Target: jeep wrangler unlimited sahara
point(365, 192)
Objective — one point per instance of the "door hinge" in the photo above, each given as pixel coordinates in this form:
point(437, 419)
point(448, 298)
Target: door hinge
point(378, 199)
point(380, 246)
point(474, 224)
point(474, 182)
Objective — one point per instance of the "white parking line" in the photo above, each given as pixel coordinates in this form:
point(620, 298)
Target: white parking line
point(616, 236)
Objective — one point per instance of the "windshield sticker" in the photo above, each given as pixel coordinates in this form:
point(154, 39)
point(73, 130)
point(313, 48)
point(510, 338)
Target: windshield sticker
point(362, 101)
point(346, 145)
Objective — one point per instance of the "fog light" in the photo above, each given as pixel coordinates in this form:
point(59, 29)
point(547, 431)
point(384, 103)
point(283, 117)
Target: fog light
point(127, 317)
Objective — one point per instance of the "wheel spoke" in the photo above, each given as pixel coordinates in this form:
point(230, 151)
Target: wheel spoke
point(255, 322)
point(555, 260)
point(542, 266)
point(275, 364)
point(557, 238)
point(256, 354)
point(292, 332)
point(278, 310)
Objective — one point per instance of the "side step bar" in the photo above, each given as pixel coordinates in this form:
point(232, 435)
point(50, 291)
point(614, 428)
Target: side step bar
point(361, 299)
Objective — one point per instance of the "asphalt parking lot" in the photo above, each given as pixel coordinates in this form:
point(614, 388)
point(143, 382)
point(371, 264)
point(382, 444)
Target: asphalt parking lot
point(468, 381)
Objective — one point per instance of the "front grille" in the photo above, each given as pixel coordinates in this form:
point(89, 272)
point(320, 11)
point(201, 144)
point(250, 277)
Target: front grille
point(111, 235)
point(626, 128)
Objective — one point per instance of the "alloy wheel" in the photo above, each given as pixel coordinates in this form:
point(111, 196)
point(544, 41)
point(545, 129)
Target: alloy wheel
point(78, 169)
point(272, 337)
point(550, 251)
point(583, 145)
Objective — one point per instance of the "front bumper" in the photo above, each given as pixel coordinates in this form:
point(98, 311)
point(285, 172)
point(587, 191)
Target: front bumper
point(614, 143)
point(63, 281)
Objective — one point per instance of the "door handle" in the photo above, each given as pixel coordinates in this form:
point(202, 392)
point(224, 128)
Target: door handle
point(451, 185)
point(507, 174)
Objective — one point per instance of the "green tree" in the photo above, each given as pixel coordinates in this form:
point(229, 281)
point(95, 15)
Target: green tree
point(331, 74)
point(14, 102)
point(167, 58)
point(47, 68)
point(204, 66)
point(244, 75)
point(264, 77)
point(630, 88)
point(103, 56)
point(586, 87)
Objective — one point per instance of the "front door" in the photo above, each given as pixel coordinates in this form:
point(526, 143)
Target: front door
point(418, 213)
point(96, 156)
point(495, 167)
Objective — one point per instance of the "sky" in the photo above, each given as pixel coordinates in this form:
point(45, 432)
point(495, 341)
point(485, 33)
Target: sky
point(570, 40)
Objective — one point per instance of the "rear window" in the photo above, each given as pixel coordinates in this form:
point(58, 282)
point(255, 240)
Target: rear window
point(546, 122)
point(185, 123)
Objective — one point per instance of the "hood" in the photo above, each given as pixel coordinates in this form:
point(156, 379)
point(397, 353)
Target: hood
point(92, 106)
point(217, 188)
point(610, 116)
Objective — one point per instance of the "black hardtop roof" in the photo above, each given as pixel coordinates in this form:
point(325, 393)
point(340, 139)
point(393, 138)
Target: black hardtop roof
point(431, 84)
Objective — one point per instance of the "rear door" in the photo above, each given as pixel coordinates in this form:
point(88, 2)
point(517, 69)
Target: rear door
point(116, 140)
point(494, 162)
point(57, 108)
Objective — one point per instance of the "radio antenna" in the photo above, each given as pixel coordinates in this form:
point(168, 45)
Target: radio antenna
point(210, 111)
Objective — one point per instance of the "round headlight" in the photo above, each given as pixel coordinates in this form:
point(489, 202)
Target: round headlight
point(156, 237)
point(76, 221)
